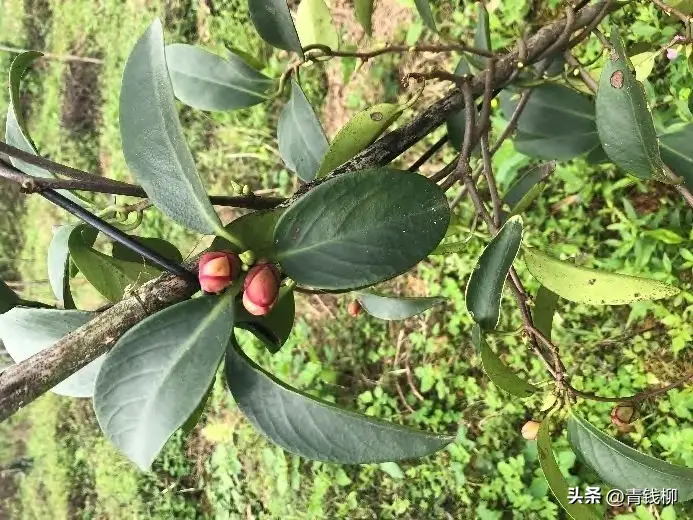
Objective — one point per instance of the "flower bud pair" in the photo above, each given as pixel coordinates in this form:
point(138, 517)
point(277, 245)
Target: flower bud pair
point(217, 270)
point(261, 289)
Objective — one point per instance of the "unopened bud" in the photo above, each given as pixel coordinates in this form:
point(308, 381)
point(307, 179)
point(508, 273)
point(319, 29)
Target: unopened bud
point(248, 257)
point(217, 270)
point(623, 415)
point(261, 288)
point(530, 430)
point(354, 308)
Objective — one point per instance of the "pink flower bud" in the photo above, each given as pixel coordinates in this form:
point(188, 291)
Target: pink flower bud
point(261, 289)
point(354, 308)
point(530, 430)
point(218, 270)
point(672, 54)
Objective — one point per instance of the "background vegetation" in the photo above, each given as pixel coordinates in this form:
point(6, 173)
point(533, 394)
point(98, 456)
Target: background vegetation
point(423, 372)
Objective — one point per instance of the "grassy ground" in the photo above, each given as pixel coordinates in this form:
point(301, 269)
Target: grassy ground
point(225, 469)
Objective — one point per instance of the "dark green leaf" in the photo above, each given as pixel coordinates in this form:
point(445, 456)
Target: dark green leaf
point(482, 36)
point(159, 371)
point(354, 230)
point(195, 417)
point(625, 125)
point(360, 132)
point(485, 287)
point(153, 142)
point(544, 309)
point(110, 276)
point(302, 141)
point(158, 245)
point(557, 483)
point(519, 195)
point(395, 308)
point(424, 9)
point(583, 285)
point(677, 152)
point(255, 230)
point(206, 81)
point(26, 332)
point(273, 22)
point(498, 372)
point(364, 14)
point(316, 429)
point(274, 329)
point(314, 24)
point(456, 121)
point(59, 264)
point(622, 466)
point(8, 298)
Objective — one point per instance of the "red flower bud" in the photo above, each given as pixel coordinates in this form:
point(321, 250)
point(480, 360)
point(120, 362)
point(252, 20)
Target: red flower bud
point(218, 270)
point(354, 308)
point(261, 289)
point(623, 415)
point(530, 430)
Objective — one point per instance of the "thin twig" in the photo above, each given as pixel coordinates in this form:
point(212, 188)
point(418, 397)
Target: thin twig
point(564, 39)
point(398, 49)
point(52, 56)
point(429, 153)
point(488, 173)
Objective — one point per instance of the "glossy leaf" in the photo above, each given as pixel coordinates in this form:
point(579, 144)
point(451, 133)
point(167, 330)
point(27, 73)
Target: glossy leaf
point(557, 123)
point(158, 372)
point(314, 24)
point(424, 9)
point(206, 81)
point(255, 230)
point(153, 142)
point(8, 298)
point(354, 230)
point(623, 467)
point(110, 276)
point(625, 125)
point(158, 245)
point(677, 153)
point(544, 309)
point(59, 260)
point(485, 286)
point(527, 188)
point(555, 479)
point(583, 285)
point(364, 14)
point(316, 429)
point(395, 308)
point(360, 132)
point(482, 36)
point(274, 329)
point(273, 22)
point(302, 141)
point(499, 373)
point(26, 332)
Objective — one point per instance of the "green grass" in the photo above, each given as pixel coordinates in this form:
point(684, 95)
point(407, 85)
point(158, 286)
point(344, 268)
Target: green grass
point(225, 469)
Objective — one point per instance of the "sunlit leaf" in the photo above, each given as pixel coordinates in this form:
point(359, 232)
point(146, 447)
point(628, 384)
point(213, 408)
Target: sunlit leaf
point(643, 64)
point(395, 308)
point(544, 309)
point(354, 230)
point(364, 14)
point(392, 469)
point(314, 24)
point(316, 429)
point(499, 373)
point(153, 142)
point(273, 329)
point(26, 332)
point(665, 235)
point(623, 467)
point(625, 125)
point(302, 141)
point(206, 81)
point(255, 230)
point(360, 132)
point(273, 22)
point(583, 285)
point(485, 286)
point(158, 372)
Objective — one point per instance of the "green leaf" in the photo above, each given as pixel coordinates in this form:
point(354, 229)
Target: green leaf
point(316, 429)
point(59, 260)
point(455, 122)
point(643, 64)
point(482, 36)
point(153, 142)
point(26, 332)
point(664, 235)
point(364, 14)
point(395, 308)
point(354, 230)
point(255, 230)
point(485, 286)
point(360, 132)
point(527, 188)
point(110, 276)
point(498, 372)
point(274, 329)
point(623, 467)
point(557, 123)
point(544, 309)
point(195, 417)
point(255, 62)
point(625, 125)
point(314, 24)
point(424, 9)
point(557, 483)
point(583, 285)
point(158, 245)
point(392, 469)
point(159, 371)
point(273, 22)
point(302, 141)
point(206, 81)
point(677, 154)
point(8, 298)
